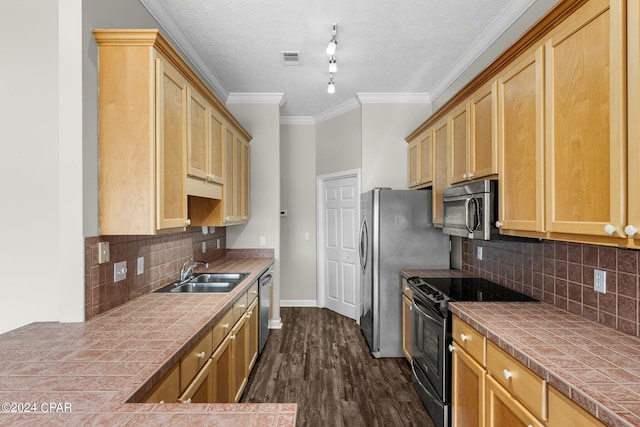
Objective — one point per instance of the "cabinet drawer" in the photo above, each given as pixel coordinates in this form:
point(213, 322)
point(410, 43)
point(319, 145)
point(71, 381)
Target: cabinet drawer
point(195, 359)
point(222, 328)
point(406, 290)
point(252, 293)
point(563, 412)
point(524, 385)
point(469, 339)
point(239, 307)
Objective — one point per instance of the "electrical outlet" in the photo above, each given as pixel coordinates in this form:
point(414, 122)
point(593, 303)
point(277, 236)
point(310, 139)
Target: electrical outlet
point(306, 236)
point(140, 268)
point(119, 271)
point(103, 252)
point(217, 243)
point(600, 281)
point(204, 247)
point(479, 253)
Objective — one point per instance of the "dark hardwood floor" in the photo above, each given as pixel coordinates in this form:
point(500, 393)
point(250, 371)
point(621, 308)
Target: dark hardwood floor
point(320, 360)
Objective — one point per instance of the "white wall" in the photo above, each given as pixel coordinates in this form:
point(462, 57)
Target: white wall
point(41, 223)
point(297, 188)
point(339, 143)
point(262, 121)
point(384, 149)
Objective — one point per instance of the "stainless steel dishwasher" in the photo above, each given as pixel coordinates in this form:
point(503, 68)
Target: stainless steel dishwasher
point(264, 296)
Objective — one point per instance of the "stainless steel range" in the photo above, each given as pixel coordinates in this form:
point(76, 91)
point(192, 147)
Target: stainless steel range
point(431, 359)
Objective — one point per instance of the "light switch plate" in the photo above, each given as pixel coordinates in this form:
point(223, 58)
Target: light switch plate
point(103, 252)
point(263, 241)
point(140, 265)
point(204, 247)
point(479, 253)
point(119, 271)
point(600, 281)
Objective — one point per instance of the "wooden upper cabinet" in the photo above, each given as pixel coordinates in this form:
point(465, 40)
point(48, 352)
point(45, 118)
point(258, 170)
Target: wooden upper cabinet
point(157, 142)
point(633, 99)
point(483, 143)
point(230, 155)
point(245, 177)
point(215, 148)
point(197, 116)
point(585, 122)
point(459, 154)
point(171, 93)
point(520, 135)
point(413, 153)
point(441, 138)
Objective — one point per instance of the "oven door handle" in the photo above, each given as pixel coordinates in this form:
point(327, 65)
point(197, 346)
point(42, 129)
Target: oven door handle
point(417, 305)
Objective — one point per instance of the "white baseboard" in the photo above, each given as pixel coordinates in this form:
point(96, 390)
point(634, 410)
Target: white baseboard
point(298, 303)
point(275, 324)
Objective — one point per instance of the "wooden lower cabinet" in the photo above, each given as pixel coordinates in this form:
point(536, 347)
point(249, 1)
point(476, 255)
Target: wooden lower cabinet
point(563, 412)
point(201, 388)
point(239, 357)
point(167, 390)
point(502, 410)
point(222, 364)
point(253, 326)
point(468, 390)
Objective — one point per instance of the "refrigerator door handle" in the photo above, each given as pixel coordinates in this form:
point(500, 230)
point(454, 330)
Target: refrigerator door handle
point(364, 244)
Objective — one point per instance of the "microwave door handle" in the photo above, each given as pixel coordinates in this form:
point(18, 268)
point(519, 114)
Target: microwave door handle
point(476, 215)
point(466, 214)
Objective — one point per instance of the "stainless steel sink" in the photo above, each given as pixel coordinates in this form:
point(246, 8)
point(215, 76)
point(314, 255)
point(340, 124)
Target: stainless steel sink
point(218, 277)
point(205, 283)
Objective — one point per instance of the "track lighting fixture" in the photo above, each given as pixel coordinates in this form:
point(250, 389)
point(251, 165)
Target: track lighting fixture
point(333, 65)
point(332, 86)
point(333, 43)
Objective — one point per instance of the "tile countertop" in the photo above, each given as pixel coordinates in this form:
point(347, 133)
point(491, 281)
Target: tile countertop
point(595, 366)
point(83, 373)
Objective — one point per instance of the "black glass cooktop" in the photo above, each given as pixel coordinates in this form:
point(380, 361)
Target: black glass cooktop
point(474, 289)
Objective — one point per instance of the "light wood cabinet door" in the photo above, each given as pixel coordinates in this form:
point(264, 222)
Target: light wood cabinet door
point(633, 143)
point(215, 147)
point(229, 166)
point(197, 115)
point(585, 121)
point(221, 368)
point(565, 413)
point(459, 154)
point(503, 410)
point(239, 371)
point(483, 142)
point(245, 167)
point(520, 134)
point(167, 390)
point(171, 95)
point(253, 328)
point(441, 138)
point(407, 326)
point(426, 158)
point(414, 163)
point(200, 390)
point(467, 391)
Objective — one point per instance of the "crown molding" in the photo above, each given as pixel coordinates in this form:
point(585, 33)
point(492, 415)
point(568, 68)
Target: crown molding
point(166, 21)
point(338, 110)
point(256, 98)
point(297, 120)
point(512, 13)
point(393, 98)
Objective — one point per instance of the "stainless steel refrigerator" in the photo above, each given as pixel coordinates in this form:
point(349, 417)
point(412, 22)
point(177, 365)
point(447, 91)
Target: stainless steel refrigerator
point(396, 232)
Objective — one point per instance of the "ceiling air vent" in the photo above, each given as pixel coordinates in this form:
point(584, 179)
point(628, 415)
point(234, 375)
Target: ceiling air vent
point(290, 58)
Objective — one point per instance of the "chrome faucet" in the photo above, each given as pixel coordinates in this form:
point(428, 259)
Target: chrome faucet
point(188, 266)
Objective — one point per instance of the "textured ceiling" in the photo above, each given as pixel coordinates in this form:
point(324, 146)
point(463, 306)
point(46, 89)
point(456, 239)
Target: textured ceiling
point(408, 46)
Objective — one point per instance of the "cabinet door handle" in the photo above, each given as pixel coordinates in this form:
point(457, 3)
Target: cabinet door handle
point(202, 355)
point(470, 175)
point(187, 221)
point(498, 224)
point(507, 374)
point(464, 175)
point(187, 401)
point(451, 348)
point(241, 306)
point(609, 229)
point(225, 326)
point(232, 337)
point(463, 337)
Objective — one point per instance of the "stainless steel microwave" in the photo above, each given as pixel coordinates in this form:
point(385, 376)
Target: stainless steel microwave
point(471, 210)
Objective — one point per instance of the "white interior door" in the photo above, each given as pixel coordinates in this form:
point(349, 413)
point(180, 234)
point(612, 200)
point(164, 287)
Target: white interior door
point(340, 199)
